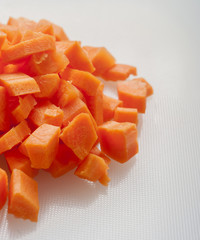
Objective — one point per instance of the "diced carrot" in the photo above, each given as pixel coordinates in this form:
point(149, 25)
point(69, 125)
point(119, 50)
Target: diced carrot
point(148, 86)
point(91, 168)
point(17, 160)
point(126, 115)
point(23, 24)
point(101, 59)
point(27, 48)
point(4, 116)
point(2, 38)
point(19, 84)
point(66, 93)
point(22, 111)
point(17, 38)
point(119, 72)
point(22, 148)
point(12, 68)
point(118, 140)
point(58, 31)
point(133, 94)
point(28, 35)
point(10, 31)
point(95, 104)
point(78, 57)
point(84, 81)
point(42, 146)
point(80, 135)
point(99, 153)
point(23, 196)
point(47, 62)
point(3, 187)
point(64, 162)
point(46, 112)
point(44, 27)
point(14, 136)
point(109, 106)
point(73, 109)
point(104, 179)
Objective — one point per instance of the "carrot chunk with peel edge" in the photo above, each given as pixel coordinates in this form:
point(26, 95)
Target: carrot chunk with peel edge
point(4, 117)
point(126, 115)
point(148, 86)
point(101, 59)
point(19, 84)
point(3, 187)
point(133, 94)
point(42, 146)
point(119, 72)
point(99, 153)
point(17, 160)
point(80, 135)
point(23, 196)
point(118, 140)
point(92, 168)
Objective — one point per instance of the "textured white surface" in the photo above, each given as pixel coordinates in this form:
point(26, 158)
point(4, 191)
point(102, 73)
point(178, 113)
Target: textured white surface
point(156, 195)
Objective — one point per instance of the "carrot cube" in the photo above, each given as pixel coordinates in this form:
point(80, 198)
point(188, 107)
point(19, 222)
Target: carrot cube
point(3, 187)
point(126, 115)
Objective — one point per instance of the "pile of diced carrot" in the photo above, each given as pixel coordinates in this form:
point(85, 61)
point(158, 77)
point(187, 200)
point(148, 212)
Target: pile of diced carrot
point(54, 113)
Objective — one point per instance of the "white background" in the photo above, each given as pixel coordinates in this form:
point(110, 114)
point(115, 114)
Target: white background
point(156, 195)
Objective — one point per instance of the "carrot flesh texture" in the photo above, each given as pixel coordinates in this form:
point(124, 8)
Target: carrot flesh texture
point(19, 84)
point(109, 106)
point(22, 111)
point(101, 59)
point(42, 146)
point(23, 24)
point(95, 105)
point(133, 94)
point(73, 109)
point(91, 168)
point(126, 115)
point(148, 86)
point(66, 93)
point(14, 136)
point(84, 81)
point(3, 187)
point(3, 37)
point(17, 160)
point(48, 84)
point(26, 48)
point(80, 135)
point(119, 72)
point(23, 196)
point(4, 117)
point(64, 162)
point(10, 31)
point(99, 153)
point(44, 27)
point(77, 56)
point(47, 62)
point(118, 140)
point(46, 112)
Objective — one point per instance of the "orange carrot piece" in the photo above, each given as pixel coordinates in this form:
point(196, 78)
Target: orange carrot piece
point(22, 148)
point(78, 57)
point(44, 27)
point(99, 153)
point(19, 84)
point(84, 81)
point(80, 135)
point(23, 24)
point(22, 111)
point(95, 104)
point(126, 115)
point(27, 48)
point(11, 68)
point(133, 94)
point(66, 93)
point(3, 187)
point(91, 168)
point(4, 117)
point(46, 112)
point(119, 72)
point(118, 140)
point(101, 59)
point(42, 146)
point(17, 160)
point(14, 136)
point(3, 37)
point(23, 196)
point(148, 86)
point(47, 62)
point(109, 106)
point(10, 31)
point(73, 109)
point(58, 31)
point(64, 162)
point(28, 35)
